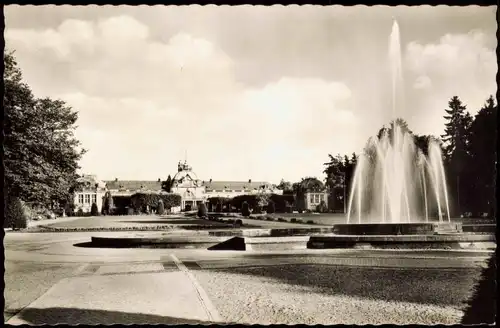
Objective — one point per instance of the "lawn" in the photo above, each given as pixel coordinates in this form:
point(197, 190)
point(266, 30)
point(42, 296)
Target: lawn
point(139, 221)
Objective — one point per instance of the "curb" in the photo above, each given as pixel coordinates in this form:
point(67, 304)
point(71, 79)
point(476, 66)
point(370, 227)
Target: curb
point(468, 241)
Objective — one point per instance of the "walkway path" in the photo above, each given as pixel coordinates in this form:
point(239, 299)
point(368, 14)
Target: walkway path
point(163, 292)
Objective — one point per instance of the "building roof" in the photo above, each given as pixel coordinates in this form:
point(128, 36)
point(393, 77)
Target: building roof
point(89, 181)
point(179, 177)
point(133, 184)
point(214, 185)
point(235, 185)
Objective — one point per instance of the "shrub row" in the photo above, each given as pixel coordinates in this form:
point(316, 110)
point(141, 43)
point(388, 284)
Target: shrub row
point(211, 227)
point(82, 229)
point(280, 203)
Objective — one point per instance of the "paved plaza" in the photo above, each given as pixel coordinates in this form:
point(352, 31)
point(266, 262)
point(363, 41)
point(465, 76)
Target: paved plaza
point(48, 280)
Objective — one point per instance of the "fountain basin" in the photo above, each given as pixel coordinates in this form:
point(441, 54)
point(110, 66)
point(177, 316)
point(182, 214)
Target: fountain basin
point(391, 229)
point(438, 241)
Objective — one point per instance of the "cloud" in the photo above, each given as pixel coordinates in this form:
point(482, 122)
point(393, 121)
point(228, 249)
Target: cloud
point(142, 102)
point(464, 65)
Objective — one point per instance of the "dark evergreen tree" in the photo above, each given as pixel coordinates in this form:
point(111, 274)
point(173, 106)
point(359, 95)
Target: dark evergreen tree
point(94, 210)
point(481, 165)
point(455, 146)
point(202, 210)
point(167, 185)
point(108, 204)
point(161, 207)
point(245, 210)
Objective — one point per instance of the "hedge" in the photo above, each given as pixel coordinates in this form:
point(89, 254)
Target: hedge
point(121, 205)
point(218, 208)
point(252, 201)
point(214, 201)
point(139, 201)
point(282, 203)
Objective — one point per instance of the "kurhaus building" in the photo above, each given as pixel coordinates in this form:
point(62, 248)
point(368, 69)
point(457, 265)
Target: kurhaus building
point(185, 182)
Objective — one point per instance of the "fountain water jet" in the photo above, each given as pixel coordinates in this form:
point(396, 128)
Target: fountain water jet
point(386, 186)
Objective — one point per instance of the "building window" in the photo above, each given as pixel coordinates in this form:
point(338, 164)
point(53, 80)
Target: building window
point(316, 198)
point(312, 198)
point(87, 198)
point(94, 198)
point(80, 199)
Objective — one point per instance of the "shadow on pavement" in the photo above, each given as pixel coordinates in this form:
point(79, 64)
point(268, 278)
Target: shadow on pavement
point(57, 315)
point(424, 286)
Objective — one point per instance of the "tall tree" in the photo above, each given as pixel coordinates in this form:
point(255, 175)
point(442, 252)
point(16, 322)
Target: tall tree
point(41, 152)
point(456, 130)
point(339, 174)
point(167, 185)
point(481, 166)
point(285, 186)
point(456, 144)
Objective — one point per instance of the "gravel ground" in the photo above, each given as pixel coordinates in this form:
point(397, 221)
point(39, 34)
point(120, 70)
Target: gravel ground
point(25, 282)
point(318, 294)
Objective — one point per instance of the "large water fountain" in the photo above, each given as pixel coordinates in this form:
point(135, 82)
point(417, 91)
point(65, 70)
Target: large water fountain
point(396, 189)
point(394, 182)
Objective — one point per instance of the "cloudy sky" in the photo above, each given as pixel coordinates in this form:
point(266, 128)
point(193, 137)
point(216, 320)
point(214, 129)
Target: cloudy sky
point(250, 92)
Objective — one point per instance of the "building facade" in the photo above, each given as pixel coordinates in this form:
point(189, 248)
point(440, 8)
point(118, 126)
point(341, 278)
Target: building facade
point(314, 198)
point(185, 182)
point(194, 191)
point(91, 190)
point(314, 193)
